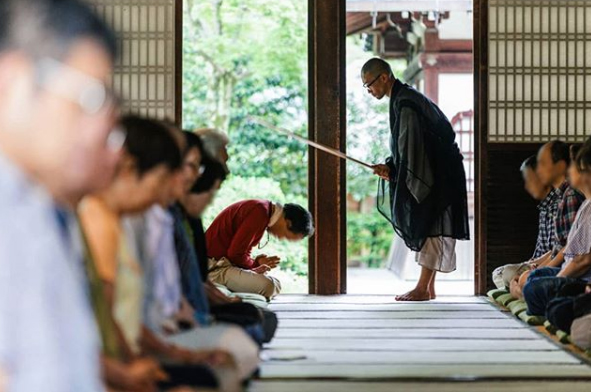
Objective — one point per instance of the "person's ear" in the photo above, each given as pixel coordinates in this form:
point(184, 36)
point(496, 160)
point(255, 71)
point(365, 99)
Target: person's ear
point(127, 164)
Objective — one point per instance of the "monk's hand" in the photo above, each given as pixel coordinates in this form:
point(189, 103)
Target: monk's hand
point(382, 171)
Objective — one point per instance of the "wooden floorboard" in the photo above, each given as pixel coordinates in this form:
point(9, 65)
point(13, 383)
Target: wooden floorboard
point(332, 386)
point(372, 343)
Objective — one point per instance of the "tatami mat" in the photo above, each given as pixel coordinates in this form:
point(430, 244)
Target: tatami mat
point(345, 340)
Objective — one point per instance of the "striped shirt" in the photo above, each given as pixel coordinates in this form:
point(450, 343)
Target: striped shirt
point(570, 201)
point(579, 238)
point(546, 232)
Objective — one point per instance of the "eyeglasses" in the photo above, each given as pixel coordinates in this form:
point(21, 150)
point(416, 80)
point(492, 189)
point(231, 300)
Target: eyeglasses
point(89, 93)
point(197, 169)
point(368, 85)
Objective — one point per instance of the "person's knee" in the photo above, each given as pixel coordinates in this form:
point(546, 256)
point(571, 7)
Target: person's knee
point(270, 287)
point(530, 296)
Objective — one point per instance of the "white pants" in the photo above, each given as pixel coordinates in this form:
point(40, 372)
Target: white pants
point(229, 338)
point(438, 254)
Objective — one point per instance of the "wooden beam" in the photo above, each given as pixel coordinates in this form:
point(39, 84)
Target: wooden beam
point(480, 148)
point(327, 122)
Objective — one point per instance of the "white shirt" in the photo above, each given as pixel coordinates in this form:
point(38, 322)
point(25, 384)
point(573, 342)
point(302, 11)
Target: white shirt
point(48, 335)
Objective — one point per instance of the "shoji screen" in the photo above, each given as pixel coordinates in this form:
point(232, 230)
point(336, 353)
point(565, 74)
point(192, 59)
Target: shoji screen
point(145, 76)
point(539, 70)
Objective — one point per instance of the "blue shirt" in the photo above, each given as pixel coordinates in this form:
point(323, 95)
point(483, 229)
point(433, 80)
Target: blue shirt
point(191, 280)
point(48, 337)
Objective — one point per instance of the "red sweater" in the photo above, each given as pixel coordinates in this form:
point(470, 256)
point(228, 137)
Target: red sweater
point(238, 229)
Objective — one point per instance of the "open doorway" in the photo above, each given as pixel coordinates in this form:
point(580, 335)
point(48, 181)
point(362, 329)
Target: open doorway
point(244, 59)
point(429, 46)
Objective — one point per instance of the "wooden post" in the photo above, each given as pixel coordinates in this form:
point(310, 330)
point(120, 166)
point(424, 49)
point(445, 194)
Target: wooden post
point(480, 23)
point(327, 122)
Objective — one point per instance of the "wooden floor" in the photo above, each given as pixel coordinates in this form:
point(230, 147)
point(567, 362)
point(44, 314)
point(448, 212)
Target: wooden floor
point(371, 343)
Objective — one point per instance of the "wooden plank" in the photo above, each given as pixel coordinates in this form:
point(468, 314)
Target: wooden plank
point(368, 299)
point(392, 345)
point(420, 357)
point(405, 333)
point(340, 386)
point(394, 307)
point(386, 315)
point(436, 324)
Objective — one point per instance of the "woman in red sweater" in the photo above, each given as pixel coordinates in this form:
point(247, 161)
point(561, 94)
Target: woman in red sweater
point(238, 229)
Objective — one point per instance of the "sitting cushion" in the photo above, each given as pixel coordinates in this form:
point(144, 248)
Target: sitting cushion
point(532, 320)
point(550, 328)
point(581, 332)
point(494, 294)
point(250, 298)
point(563, 337)
point(505, 299)
point(516, 307)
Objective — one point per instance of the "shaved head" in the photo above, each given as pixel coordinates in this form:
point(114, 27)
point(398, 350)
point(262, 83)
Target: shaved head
point(375, 67)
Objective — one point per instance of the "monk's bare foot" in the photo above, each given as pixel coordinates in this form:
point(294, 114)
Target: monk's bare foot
point(432, 294)
point(415, 295)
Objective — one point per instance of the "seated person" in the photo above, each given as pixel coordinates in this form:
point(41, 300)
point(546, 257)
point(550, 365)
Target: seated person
point(238, 229)
point(518, 277)
point(581, 327)
point(224, 308)
point(517, 274)
point(165, 311)
point(554, 159)
point(503, 275)
point(150, 155)
point(560, 311)
point(545, 283)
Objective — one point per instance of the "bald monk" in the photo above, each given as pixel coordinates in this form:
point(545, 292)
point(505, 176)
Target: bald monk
point(422, 190)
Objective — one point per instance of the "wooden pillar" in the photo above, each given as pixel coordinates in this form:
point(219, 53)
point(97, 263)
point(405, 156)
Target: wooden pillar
point(327, 121)
point(480, 23)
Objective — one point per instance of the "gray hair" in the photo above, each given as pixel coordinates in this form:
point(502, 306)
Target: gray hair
point(213, 141)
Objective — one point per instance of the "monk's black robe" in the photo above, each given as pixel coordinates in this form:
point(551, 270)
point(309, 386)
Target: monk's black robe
point(426, 194)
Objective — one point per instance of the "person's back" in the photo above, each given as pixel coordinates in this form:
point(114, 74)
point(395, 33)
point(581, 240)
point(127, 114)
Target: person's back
point(236, 230)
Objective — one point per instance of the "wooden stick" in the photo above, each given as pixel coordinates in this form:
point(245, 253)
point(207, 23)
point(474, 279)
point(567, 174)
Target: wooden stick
point(318, 146)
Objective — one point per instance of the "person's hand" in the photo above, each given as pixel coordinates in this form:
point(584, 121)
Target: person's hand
point(269, 261)
point(143, 374)
point(382, 171)
point(214, 357)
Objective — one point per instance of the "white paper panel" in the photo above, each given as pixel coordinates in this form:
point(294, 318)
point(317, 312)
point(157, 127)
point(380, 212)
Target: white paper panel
point(539, 78)
point(145, 75)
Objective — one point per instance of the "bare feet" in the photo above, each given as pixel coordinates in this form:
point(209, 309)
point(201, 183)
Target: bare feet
point(415, 295)
point(432, 294)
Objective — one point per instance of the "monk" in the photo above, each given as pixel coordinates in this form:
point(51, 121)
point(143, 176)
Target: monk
point(424, 176)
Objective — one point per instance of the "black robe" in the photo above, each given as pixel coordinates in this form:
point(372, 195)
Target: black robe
point(426, 194)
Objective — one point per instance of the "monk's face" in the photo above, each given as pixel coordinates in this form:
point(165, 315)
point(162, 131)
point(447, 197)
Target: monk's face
point(376, 85)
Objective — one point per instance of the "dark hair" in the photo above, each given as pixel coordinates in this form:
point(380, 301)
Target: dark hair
point(583, 157)
point(214, 171)
point(375, 67)
point(150, 143)
point(300, 218)
point(530, 163)
point(193, 141)
point(574, 151)
point(560, 152)
point(49, 28)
